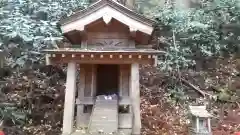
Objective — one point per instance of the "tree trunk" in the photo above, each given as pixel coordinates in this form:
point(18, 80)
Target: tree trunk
point(184, 4)
point(130, 4)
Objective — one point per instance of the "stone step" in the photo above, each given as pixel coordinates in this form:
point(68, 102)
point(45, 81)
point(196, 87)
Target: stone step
point(104, 118)
point(120, 132)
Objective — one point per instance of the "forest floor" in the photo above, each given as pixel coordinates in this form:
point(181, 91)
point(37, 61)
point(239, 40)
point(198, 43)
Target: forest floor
point(38, 96)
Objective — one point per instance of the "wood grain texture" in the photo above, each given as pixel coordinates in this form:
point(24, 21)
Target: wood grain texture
point(81, 87)
point(124, 79)
point(69, 105)
point(135, 98)
point(88, 81)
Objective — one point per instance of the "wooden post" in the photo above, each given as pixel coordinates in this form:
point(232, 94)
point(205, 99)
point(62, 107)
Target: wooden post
point(120, 81)
point(48, 61)
point(80, 95)
point(68, 117)
point(155, 61)
point(1, 59)
point(94, 80)
point(197, 124)
point(209, 125)
point(1, 62)
point(135, 99)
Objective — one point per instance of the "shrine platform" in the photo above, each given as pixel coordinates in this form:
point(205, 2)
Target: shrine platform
point(120, 132)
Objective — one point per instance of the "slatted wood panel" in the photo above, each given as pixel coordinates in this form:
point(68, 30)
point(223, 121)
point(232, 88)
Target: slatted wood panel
point(113, 35)
point(88, 80)
point(104, 118)
point(124, 80)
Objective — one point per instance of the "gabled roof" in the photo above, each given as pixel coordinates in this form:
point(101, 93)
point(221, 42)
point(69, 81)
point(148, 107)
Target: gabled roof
point(107, 9)
point(199, 111)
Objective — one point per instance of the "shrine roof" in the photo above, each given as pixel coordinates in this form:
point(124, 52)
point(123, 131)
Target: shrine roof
point(107, 9)
point(199, 111)
point(103, 50)
point(100, 3)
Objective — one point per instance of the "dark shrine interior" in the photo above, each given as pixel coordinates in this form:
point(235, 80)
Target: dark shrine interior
point(107, 79)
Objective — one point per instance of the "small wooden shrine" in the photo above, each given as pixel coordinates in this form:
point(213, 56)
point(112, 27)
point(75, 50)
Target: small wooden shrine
point(200, 121)
point(108, 42)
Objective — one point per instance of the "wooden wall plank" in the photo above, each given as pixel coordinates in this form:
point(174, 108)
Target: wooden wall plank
point(124, 80)
point(113, 35)
point(94, 80)
point(88, 81)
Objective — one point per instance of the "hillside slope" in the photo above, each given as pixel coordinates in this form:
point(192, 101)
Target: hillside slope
point(26, 94)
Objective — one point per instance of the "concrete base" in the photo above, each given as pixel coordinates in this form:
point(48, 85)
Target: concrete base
point(120, 132)
point(193, 132)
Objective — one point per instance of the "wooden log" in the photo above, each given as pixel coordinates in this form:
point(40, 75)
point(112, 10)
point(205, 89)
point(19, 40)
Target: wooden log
point(135, 99)
point(68, 117)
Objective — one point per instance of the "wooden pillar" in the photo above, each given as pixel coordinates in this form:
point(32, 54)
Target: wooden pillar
point(48, 61)
point(135, 99)
point(81, 88)
point(197, 124)
point(209, 125)
point(1, 62)
point(68, 117)
point(94, 80)
point(2, 58)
